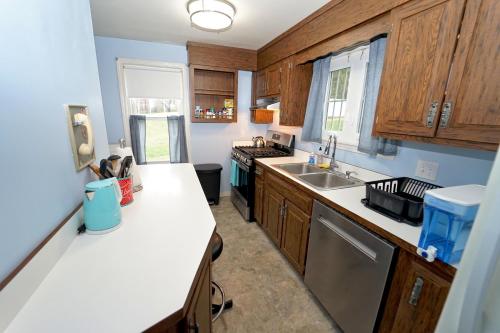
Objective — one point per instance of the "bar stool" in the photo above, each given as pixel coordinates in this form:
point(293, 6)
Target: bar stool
point(218, 309)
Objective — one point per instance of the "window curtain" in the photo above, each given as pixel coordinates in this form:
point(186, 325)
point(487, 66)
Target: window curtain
point(138, 137)
point(177, 139)
point(313, 121)
point(368, 143)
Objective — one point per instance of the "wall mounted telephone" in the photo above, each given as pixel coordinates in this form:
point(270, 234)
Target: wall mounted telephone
point(85, 148)
point(81, 135)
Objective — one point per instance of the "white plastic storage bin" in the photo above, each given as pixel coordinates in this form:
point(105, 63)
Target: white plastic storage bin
point(448, 216)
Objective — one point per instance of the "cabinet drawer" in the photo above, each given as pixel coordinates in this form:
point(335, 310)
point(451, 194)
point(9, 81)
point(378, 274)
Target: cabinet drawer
point(290, 192)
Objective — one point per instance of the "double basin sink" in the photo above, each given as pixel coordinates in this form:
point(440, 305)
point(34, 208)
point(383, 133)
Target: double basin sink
point(319, 178)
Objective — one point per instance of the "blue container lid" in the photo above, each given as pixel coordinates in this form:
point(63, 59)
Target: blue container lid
point(100, 184)
point(461, 201)
point(465, 195)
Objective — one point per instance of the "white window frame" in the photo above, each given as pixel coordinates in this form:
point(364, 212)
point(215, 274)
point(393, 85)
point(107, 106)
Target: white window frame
point(357, 60)
point(121, 63)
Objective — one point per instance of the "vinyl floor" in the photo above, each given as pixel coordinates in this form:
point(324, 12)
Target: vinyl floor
point(268, 295)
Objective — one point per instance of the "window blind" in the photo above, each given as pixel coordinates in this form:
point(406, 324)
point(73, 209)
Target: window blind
point(153, 82)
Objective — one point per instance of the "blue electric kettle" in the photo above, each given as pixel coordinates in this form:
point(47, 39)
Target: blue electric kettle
point(101, 206)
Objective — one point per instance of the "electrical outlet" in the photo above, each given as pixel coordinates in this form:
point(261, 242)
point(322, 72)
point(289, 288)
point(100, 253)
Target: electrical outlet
point(427, 170)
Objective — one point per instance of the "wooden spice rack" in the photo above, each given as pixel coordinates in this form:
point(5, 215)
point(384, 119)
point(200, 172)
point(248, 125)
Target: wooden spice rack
point(210, 87)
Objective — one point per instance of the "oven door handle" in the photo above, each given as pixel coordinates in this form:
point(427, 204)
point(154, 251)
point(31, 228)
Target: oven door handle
point(241, 165)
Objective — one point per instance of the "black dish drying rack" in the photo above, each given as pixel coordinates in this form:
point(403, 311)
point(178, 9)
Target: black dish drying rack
point(401, 199)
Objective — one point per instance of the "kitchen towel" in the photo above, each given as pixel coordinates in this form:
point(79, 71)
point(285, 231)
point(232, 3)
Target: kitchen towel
point(235, 173)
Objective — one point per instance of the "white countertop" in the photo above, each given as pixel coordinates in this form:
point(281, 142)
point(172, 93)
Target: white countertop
point(135, 276)
point(350, 198)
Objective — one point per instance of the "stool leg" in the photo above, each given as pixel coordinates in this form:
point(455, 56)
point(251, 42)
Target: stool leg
point(219, 308)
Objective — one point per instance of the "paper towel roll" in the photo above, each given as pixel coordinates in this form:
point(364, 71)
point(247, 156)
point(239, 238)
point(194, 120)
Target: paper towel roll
point(127, 151)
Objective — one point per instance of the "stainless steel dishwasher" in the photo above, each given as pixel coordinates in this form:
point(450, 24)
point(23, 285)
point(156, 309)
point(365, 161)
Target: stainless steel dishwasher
point(347, 269)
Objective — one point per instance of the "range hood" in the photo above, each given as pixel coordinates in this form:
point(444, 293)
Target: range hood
point(263, 103)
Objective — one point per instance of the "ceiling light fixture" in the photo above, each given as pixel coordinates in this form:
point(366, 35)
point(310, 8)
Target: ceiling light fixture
point(211, 15)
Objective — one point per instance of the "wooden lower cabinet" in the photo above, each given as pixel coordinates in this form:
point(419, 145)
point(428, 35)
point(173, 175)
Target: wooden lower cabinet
point(416, 296)
point(259, 196)
point(284, 220)
point(295, 235)
point(273, 210)
point(199, 318)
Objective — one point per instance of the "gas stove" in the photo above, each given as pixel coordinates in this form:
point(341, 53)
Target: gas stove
point(243, 180)
point(277, 145)
point(246, 154)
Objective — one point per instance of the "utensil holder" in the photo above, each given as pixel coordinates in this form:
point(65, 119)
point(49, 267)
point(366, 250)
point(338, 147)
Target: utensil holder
point(127, 191)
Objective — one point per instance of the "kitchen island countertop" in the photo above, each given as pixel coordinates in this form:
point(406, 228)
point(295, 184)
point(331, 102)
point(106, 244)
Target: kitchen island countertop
point(136, 276)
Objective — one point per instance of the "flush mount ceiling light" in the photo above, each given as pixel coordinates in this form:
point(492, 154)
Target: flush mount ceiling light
point(211, 15)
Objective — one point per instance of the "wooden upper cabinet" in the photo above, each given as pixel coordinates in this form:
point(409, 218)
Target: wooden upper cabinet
point(260, 84)
point(295, 84)
point(417, 62)
point(268, 81)
point(273, 79)
point(473, 99)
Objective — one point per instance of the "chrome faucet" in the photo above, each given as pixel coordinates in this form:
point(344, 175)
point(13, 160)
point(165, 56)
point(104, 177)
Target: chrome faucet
point(333, 164)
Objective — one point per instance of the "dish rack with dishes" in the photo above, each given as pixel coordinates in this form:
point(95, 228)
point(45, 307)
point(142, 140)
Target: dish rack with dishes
point(401, 199)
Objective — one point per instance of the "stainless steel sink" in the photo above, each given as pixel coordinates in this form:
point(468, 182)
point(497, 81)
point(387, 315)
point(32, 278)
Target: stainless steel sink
point(319, 178)
point(329, 180)
point(299, 168)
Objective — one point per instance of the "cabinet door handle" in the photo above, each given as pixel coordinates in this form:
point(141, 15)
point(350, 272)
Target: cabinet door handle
point(415, 292)
point(445, 115)
point(431, 114)
point(284, 211)
point(195, 327)
point(258, 171)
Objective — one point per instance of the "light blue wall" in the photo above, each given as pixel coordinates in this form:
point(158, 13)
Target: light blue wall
point(47, 59)
point(210, 143)
point(108, 49)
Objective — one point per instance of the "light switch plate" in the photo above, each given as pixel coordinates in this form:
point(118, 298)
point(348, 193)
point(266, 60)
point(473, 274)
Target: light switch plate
point(427, 170)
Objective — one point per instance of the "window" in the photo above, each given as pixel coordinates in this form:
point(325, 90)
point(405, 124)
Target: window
point(156, 90)
point(344, 100)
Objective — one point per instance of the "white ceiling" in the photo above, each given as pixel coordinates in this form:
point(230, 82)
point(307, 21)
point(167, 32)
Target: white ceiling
point(256, 22)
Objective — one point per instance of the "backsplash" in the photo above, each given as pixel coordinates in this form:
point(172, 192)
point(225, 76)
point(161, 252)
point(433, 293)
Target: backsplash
point(457, 166)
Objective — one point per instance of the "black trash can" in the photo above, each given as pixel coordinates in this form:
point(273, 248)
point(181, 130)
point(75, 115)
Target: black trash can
point(209, 176)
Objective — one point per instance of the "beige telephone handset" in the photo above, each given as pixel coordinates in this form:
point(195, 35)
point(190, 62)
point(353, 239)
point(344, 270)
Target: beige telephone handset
point(88, 147)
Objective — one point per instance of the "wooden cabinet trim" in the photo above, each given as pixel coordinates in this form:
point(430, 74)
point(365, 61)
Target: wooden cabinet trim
point(346, 39)
point(330, 20)
point(441, 141)
point(221, 56)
